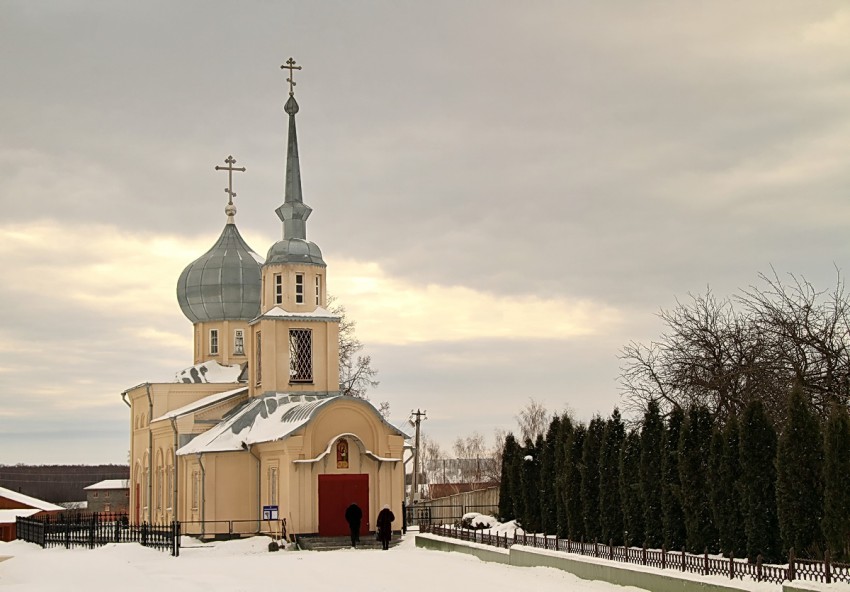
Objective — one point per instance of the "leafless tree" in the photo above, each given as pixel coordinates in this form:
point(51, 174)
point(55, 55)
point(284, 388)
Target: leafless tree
point(356, 375)
point(724, 353)
point(533, 420)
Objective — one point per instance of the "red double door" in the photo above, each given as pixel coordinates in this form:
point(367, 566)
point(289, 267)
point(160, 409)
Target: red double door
point(336, 493)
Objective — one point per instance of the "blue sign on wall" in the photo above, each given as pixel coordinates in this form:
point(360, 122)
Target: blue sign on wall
point(270, 513)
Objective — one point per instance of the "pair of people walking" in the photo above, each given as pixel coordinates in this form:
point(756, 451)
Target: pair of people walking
point(354, 516)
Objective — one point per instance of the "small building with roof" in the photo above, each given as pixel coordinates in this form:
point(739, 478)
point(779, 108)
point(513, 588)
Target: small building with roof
point(14, 505)
point(108, 496)
point(256, 430)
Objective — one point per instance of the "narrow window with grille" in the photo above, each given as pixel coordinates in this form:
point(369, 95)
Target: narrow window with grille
point(278, 288)
point(299, 288)
point(300, 355)
point(258, 359)
point(318, 290)
point(238, 342)
point(213, 341)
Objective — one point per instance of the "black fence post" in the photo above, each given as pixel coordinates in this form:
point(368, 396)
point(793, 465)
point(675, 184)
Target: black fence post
point(705, 562)
point(684, 562)
point(611, 549)
point(144, 534)
point(792, 568)
point(663, 557)
point(643, 555)
point(758, 568)
point(827, 571)
point(731, 565)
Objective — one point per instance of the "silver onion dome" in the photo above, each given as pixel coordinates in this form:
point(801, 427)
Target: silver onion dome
point(224, 283)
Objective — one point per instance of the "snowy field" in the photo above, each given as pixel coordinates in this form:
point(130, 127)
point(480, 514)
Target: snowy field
point(247, 565)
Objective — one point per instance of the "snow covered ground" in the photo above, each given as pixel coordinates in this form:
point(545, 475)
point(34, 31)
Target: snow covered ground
point(247, 565)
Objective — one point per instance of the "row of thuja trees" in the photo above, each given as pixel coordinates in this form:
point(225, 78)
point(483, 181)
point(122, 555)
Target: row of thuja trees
point(690, 481)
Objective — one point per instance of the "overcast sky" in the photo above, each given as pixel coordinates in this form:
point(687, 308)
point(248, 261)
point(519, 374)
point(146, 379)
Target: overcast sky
point(505, 193)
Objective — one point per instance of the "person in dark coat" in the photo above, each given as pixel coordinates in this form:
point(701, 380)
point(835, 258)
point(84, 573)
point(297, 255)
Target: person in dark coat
point(385, 526)
point(353, 515)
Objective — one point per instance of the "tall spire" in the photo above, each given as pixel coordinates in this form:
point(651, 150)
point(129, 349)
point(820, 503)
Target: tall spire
point(294, 212)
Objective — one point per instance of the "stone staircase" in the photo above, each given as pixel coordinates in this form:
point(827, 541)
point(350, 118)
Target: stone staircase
point(367, 543)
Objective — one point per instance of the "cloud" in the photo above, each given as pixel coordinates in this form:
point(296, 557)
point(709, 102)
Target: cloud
point(399, 311)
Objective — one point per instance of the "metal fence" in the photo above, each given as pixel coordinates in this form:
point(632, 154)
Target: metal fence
point(92, 530)
point(428, 513)
point(797, 569)
point(231, 529)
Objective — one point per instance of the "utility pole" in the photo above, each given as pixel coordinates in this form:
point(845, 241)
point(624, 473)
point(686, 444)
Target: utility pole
point(419, 415)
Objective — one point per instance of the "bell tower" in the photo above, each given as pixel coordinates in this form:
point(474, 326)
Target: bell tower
point(294, 340)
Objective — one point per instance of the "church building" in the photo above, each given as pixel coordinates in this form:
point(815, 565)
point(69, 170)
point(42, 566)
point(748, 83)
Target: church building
point(256, 431)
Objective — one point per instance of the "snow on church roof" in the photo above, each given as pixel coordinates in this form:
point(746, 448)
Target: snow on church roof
point(320, 314)
point(209, 371)
point(29, 501)
point(266, 419)
point(202, 403)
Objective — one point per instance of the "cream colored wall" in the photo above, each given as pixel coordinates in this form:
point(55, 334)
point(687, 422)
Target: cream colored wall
point(150, 442)
point(288, 272)
point(275, 356)
point(226, 342)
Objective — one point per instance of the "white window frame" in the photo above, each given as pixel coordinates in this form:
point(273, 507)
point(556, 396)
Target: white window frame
point(299, 288)
point(196, 489)
point(239, 342)
point(278, 288)
point(318, 290)
point(213, 342)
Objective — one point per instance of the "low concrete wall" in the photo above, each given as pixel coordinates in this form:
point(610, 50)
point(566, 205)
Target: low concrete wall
point(589, 568)
point(615, 573)
point(483, 552)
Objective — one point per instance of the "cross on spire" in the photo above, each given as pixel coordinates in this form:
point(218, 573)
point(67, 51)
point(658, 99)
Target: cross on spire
point(230, 168)
point(290, 65)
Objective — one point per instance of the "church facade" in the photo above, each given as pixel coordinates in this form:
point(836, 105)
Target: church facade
point(256, 431)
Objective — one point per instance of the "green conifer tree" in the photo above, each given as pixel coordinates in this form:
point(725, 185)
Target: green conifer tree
point(836, 518)
point(725, 489)
point(758, 483)
point(630, 490)
point(530, 518)
point(799, 479)
point(672, 520)
point(573, 490)
point(506, 487)
point(694, 444)
point(562, 471)
point(590, 477)
point(652, 432)
point(610, 504)
point(548, 497)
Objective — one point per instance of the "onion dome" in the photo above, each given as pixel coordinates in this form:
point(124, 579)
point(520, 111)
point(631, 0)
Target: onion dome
point(294, 248)
point(224, 283)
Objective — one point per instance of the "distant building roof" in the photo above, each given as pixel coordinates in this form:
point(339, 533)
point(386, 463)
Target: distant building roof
point(29, 501)
point(111, 484)
point(11, 516)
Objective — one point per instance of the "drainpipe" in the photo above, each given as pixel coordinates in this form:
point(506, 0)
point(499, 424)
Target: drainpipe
point(150, 453)
point(248, 447)
point(174, 502)
point(203, 493)
point(124, 398)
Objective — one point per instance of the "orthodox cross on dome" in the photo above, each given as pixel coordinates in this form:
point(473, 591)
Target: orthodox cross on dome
point(290, 65)
point(230, 209)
